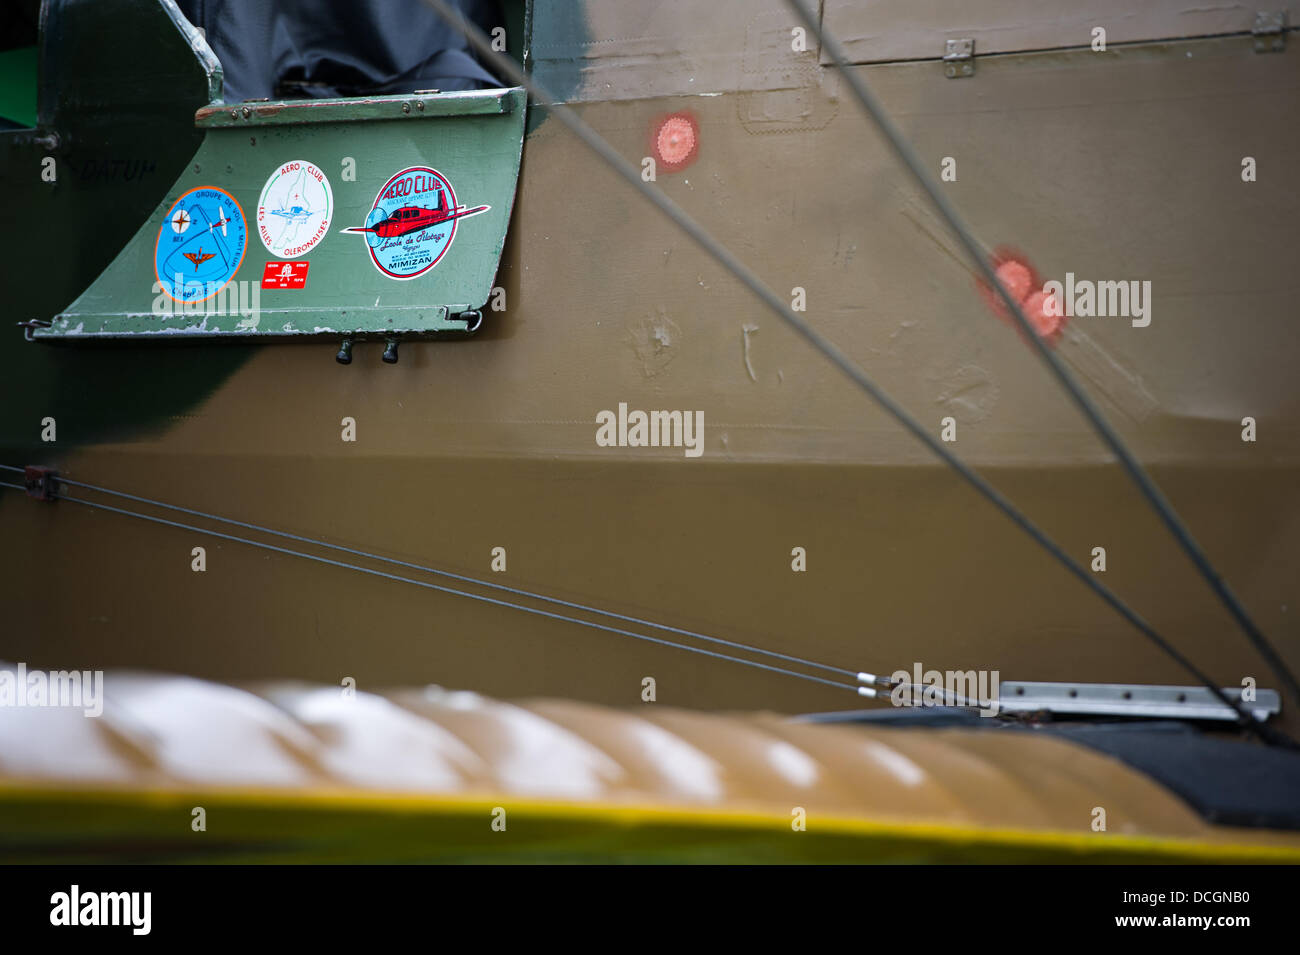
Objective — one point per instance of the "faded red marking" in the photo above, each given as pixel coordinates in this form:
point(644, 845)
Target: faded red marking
point(675, 141)
point(1025, 286)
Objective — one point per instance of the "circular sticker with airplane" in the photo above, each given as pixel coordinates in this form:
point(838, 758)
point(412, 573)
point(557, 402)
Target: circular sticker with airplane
point(200, 245)
point(295, 209)
point(412, 223)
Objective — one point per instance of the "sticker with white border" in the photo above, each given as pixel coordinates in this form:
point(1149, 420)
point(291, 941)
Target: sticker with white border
point(410, 227)
point(295, 209)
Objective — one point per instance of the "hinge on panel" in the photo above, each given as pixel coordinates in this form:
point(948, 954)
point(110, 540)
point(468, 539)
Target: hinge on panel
point(1269, 32)
point(29, 326)
point(959, 58)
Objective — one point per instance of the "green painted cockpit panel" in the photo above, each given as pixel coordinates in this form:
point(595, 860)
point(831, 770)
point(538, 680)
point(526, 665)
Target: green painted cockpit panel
point(337, 285)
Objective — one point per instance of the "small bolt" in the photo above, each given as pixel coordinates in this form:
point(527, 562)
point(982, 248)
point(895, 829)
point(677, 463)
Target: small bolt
point(406, 107)
point(419, 104)
point(344, 357)
point(234, 114)
point(247, 112)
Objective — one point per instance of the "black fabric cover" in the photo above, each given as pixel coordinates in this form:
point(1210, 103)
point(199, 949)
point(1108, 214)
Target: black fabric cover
point(323, 48)
point(1226, 780)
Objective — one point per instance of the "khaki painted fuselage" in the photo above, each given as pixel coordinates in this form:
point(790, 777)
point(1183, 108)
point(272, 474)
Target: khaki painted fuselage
point(1117, 166)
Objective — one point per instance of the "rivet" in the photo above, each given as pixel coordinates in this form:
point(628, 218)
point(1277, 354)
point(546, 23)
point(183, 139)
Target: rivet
point(406, 107)
point(247, 112)
point(419, 104)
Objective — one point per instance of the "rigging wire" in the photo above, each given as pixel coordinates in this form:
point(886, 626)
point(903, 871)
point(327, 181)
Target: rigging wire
point(517, 591)
point(917, 694)
point(860, 690)
point(594, 141)
point(1110, 437)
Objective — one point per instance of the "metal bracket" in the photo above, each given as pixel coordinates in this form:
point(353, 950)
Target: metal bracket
point(1270, 32)
point(30, 326)
point(41, 483)
point(1132, 699)
point(959, 58)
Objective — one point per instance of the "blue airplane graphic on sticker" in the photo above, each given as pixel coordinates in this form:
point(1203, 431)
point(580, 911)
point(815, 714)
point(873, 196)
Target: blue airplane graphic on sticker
point(294, 213)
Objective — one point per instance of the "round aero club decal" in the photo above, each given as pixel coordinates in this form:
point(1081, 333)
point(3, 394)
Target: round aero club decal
point(412, 223)
point(200, 245)
point(295, 209)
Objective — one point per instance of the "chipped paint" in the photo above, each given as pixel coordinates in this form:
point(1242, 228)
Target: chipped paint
point(746, 331)
point(968, 392)
point(655, 340)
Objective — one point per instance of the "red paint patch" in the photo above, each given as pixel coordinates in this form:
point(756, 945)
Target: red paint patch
point(285, 275)
point(675, 141)
point(1025, 286)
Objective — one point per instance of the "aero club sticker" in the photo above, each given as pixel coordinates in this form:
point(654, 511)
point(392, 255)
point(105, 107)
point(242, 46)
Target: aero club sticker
point(200, 245)
point(295, 209)
point(412, 223)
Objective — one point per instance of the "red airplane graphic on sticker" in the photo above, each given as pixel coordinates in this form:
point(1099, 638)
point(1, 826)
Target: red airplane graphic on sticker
point(198, 258)
point(410, 219)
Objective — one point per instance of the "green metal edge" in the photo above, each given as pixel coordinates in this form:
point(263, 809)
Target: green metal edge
point(430, 105)
point(81, 321)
